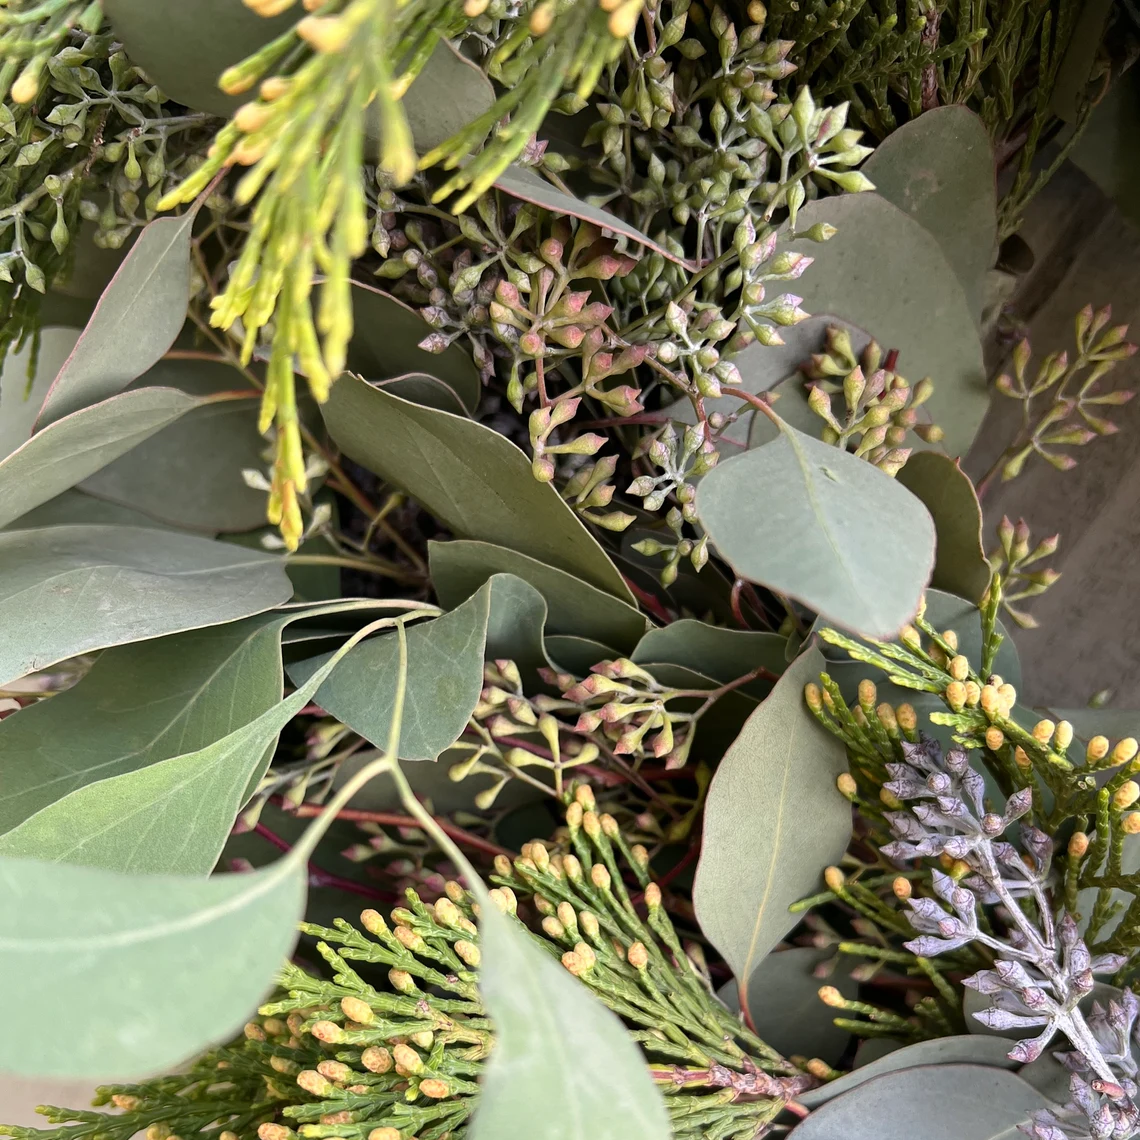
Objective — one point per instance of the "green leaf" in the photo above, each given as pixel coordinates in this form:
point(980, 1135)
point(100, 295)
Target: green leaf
point(884, 273)
point(960, 565)
point(170, 965)
point(577, 655)
point(773, 821)
point(722, 654)
point(138, 705)
point(561, 1058)
point(828, 529)
point(1106, 150)
point(783, 1000)
point(386, 346)
point(475, 482)
point(135, 322)
point(184, 47)
point(447, 94)
point(524, 183)
point(73, 589)
point(71, 507)
point(939, 169)
point(76, 446)
point(935, 1102)
point(19, 403)
point(189, 474)
point(420, 388)
point(445, 677)
point(575, 607)
point(172, 816)
point(966, 1048)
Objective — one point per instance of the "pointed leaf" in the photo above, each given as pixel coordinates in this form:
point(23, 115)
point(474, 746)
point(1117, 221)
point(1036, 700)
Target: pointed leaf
point(723, 654)
point(476, 482)
point(773, 821)
point(886, 274)
point(575, 607)
point(76, 446)
point(936, 1102)
point(135, 322)
point(74, 506)
point(561, 1057)
point(20, 400)
point(939, 169)
point(170, 965)
point(814, 522)
point(73, 589)
point(960, 565)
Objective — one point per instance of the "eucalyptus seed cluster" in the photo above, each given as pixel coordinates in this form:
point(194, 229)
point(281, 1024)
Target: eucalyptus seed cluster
point(879, 408)
point(389, 1041)
point(84, 136)
point(1011, 559)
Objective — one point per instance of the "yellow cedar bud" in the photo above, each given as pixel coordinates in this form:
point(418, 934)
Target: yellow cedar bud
point(227, 1135)
point(435, 1088)
point(469, 952)
point(640, 855)
point(249, 151)
point(572, 868)
point(312, 1082)
point(1063, 736)
point(600, 877)
point(334, 1070)
point(951, 638)
point(409, 939)
point(834, 878)
point(254, 1032)
point(588, 921)
point(566, 915)
point(814, 697)
point(541, 18)
point(574, 816)
point(610, 826)
point(1021, 757)
point(283, 1065)
point(959, 869)
point(503, 866)
point(407, 1058)
point(342, 1117)
point(584, 797)
point(327, 1031)
point(652, 895)
point(1043, 731)
point(995, 738)
point(376, 1059)
point(846, 786)
point(889, 799)
point(269, 1131)
point(572, 962)
point(27, 87)
point(910, 637)
point(638, 956)
point(1130, 824)
point(586, 955)
point(125, 1102)
point(973, 693)
point(385, 1133)
point(269, 8)
point(250, 117)
point(1008, 695)
point(902, 888)
point(1078, 845)
point(275, 1027)
point(540, 856)
point(543, 905)
point(1097, 749)
point(591, 825)
point(552, 928)
point(757, 13)
point(295, 1020)
point(996, 681)
point(959, 668)
point(1124, 751)
point(446, 912)
point(956, 695)
point(624, 20)
point(906, 717)
point(274, 87)
point(868, 694)
point(472, 9)
point(991, 702)
point(356, 1009)
point(424, 1039)
point(373, 921)
point(326, 34)
point(402, 981)
point(818, 1069)
point(829, 995)
point(887, 719)
point(1126, 795)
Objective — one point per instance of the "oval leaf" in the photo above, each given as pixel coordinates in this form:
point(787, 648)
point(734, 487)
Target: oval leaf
point(722, 654)
point(773, 820)
point(447, 94)
point(73, 589)
point(135, 322)
point(75, 447)
point(560, 1056)
point(939, 169)
point(814, 522)
point(476, 482)
point(960, 565)
point(886, 274)
point(20, 399)
point(935, 1102)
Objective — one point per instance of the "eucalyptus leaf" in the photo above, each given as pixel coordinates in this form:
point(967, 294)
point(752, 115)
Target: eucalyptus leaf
point(829, 529)
point(386, 346)
point(574, 607)
point(962, 1049)
point(472, 479)
point(526, 184)
point(171, 816)
point(723, 654)
point(577, 655)
point(20, 398)
point(420, 388)
point(935, 1102)
point(170, 965)
point(73, 506)
point(884, 273)
point(445, 677)
point(939, 169)
point(136, 320)
point(73, 589)
point(447, 94)
point(773, 821)
point(73, 448)
point(189, 474)
point(960, 565)
point(561, 1058)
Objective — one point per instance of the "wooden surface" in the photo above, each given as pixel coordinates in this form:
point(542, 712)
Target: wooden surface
point(1089, 637)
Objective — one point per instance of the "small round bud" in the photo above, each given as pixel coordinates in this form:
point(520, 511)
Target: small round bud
point(376, 1059)
point(403, 982)
point(503, 867)
point(600, 877)
point(1008, 696)
point(829, 995)
point(275, 1027)
point(126, 1102)
point(588, 923)
point(591, 825)
point(1097, 749)
point(640, 855)
point(574, 816)
point(1130, 824)
point(541, 18)
point(973, 693)
point(435, 1088)
point(959, 668)
point(814, 697)
point(373, 921)
point(956, 696)
point(821, 1070)
point(1126, 795)
point(638, 956)
point(408, 1061)
point(846, 786)
point(314, 1084)
point(995, 738)
point(990, 701)
point(1078, 845)
point(1125, 750)
point(355, 1009)
point(1063, 736)
point(328, 1032)
point(334, 1071)
point(907, 718)
point(469, 952)
point(902, 888)
point(834, 878)
point(1020, 756)
point(584, 796)
point(553, 929)
point(887, 718)
point(610, 826)
point(385, 1133)
point(1043, 731)
point(652, 896)
point(910, 637)
point(868, 694)
point(269, 1131)
point(572, 867)
point(889, 799)
point(958, 870)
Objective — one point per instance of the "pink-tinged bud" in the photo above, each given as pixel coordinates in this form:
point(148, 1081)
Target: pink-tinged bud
point(328, 1032)
point(506, 293)
point(568, 336)
point(434, 1088)
point(314, 1084)
point(532, 344)
point(334, 1071)
point(597, 313)
point(376, 1059)
point(551, 251)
